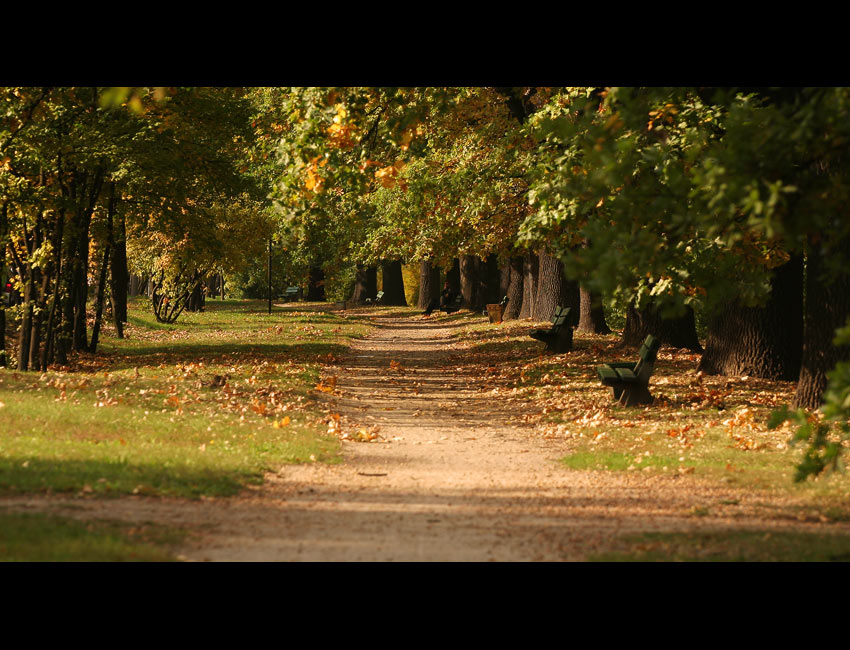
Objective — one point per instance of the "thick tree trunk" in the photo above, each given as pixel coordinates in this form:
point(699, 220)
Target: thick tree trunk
point(530, 269)
point(504, 278)
point(514, 292)
point(393, 284)
point(429, 284)
point(489, 281)
point(469, 285)
point(678, 332)
point(453, 276)
point(592, 313)
point(554, 290)
point(365, 284)
point(316, 284)
point(827, 307)
point(764, 342)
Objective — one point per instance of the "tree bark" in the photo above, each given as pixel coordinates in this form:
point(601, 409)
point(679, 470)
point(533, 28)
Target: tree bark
point(530, 269)
point(393, 284)
point(120, 274)
point(489, 281)
point(678, 332)
point(592, 313)
point(763, 342)
point(554, 290)
point(453, 276)
point(469, 284)
point(316, 285)
point(826, 308)
point(514, 291)
point(429, 284)
point(365, 284)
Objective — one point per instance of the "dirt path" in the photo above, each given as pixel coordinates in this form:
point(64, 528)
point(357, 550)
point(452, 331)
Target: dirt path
point(455, 475)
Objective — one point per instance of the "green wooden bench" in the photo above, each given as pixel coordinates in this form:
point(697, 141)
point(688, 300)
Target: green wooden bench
point(629, 380)
point(292, 293)
point(376, 300)
point(559, 337)
point(454, 306)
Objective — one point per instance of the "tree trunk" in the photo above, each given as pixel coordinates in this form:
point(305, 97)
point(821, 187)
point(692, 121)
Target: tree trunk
point(678, 332)
point(429, 284)
point(592, 313)
point(119, 273)
point(453, 276)
point(504, 278)
point(554, 290)
point(99, 298)
point(826, 308)
point(4, 228)
point(764, 342)
point(393, 284)
point(316, 285)
point(365, 284)
point(514, 291)
point(489, 280)
point(530, 269)
point(469, 286)
point(196, 299)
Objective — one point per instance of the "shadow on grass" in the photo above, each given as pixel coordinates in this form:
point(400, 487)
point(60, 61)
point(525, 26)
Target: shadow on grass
point(115, 478)
point(731, 546)
point(36, 537)
point(312, 352)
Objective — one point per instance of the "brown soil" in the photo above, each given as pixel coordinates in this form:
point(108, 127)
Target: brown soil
point(454, 474)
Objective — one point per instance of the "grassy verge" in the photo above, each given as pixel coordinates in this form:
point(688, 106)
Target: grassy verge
point(202, 407)
point(46, 538)
point(699, 427)
point(731, 546)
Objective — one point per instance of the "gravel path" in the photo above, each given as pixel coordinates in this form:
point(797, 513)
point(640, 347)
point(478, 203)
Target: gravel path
point(455, 475)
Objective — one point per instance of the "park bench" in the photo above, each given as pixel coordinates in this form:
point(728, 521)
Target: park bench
point(376, 300)
point(629, 381)
point(559, 337)
point(292, 293)
point(454, 306)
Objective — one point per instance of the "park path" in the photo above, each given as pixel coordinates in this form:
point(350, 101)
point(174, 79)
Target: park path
point(456, 474)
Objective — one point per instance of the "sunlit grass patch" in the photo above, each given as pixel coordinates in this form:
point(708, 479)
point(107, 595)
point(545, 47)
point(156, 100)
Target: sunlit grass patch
point(31, 537)
point(206, 406)
point(730, 546)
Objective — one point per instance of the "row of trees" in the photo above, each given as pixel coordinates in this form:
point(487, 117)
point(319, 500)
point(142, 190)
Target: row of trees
point(98, 182)
point(730, 201)
point(724, 201)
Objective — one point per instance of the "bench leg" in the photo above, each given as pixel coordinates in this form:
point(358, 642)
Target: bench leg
point(634, 395)
point(560, 343)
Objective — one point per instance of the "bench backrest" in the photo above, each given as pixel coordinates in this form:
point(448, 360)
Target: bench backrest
point(648, 353)
point(560, 317)
point(293, 289)
point(380, 295)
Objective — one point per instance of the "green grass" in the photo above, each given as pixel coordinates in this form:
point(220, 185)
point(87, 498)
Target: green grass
point(730, 546)
point(205, 406)
point(29, 537)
